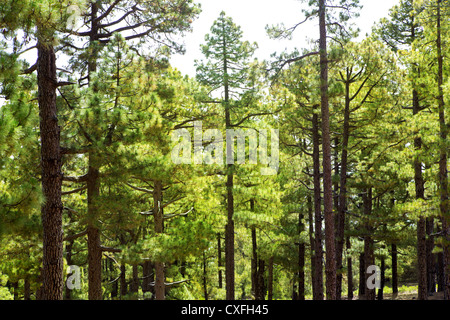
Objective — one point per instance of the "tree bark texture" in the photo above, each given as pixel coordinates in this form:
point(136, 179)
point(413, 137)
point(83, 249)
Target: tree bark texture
point(51, 211)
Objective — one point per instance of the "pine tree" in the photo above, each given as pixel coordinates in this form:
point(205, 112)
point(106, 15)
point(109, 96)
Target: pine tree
point(226, 69)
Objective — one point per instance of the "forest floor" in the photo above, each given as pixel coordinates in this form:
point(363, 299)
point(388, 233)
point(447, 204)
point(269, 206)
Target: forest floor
point(413, 296)
point(409, 292)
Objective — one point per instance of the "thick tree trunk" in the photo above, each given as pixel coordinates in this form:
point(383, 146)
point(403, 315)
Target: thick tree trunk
point(51, 211)
point(330, 263)
point(318, 268)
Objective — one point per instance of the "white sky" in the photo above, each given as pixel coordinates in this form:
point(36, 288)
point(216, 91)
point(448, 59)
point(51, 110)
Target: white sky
point(254, 15)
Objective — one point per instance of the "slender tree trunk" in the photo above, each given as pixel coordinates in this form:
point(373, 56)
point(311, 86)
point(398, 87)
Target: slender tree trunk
point(443, 174)
point(394, 254)
point(123, 281)
point(93, 183)
point(219, 259)
point(362, 277)
point(69, 245)
point(301, 260)
point(205, 278)
point(254, 263)
point(382, 280)
point(93, 233)
point(134, 286)
point(270, 280)
point(146, 274)
point(340, 226)
point(431, 257)
point(261, 287)
point(421, 225)
point(159, 228)
point(349, 272)
point(112, 279)
point(26, 289)
point(312, 245)
point(369, 258)
point(301, 271)
point(51, 211)
point(229, 232)
point(330, 263)
point(318, 268)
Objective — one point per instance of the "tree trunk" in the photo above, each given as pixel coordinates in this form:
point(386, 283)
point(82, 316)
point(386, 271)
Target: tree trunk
point(301, 260)
point(229, 228)
point(330, 263)
point(340, 226)
point(51, 211)
point(369, 258)
point(443, 175)
point(114, 282)
point(362, 277)
point(123, 281)
point(219, 259)
point(254, 263)
point(270, 280)
point(318, 268)
point(134, 286)
point(349, 272)
point(301, 271)
point(147, 269)
point(382, 280)
point(431, 257)
point(261, 288)
point(93, 233)
point(394, 270)
point(312, 245)
point(159, 228)
point(26, 289)
point(421, 225)
point(205, 278)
